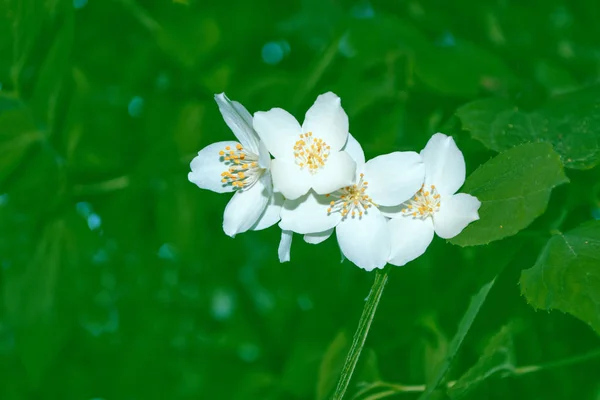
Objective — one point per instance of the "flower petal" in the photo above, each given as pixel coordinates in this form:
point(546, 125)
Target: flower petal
point(272, 212)
point(456, 212)
point(353, 148)
point(246, 206)
point(444, 164)
point(316, 238)
point(327, 120)
point(339, 171)
point(410, 238)
point(207, 167)
point(393, 178)
point(365, 240)
point(308, 214)
point(285, 245)
point(239, 121)
point(264, 159)
point(289, 179)
point(279, 130)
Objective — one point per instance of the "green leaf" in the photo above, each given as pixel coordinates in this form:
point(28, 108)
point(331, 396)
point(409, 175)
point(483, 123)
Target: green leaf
point(478, 116)
point(17, 133)
point(331, 366)
point(498, 356)
point(566, 275)
point(570, 122)
point(463, 329)
point(514, 188)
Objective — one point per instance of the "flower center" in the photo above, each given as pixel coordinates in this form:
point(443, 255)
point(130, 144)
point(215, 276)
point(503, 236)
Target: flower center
point(311, 152)
point(243, 169)
point(351, 200)
point(424, 204)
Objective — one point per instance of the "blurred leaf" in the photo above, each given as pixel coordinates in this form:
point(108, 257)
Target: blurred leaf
point(498, 356)
point(368, 368)
point(514, 189)
point(331, 366)
point(455, 343)
point(53, 69)
point(30, 301)
point(566, 276)
point(571, 123)
point(17, 133)
point(435, 346)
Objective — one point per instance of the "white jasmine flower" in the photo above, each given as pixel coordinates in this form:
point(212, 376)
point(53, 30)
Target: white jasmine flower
point(242, 167)
point(435, 207)
point(354, 210)
point(308, 156)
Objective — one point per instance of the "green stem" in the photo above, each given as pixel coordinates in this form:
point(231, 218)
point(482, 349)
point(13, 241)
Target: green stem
point(360, 336)
point(395, 388)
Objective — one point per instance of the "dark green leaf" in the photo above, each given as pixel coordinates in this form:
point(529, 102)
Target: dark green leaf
point(514, 188)
point(566, 275)
point(463, 329)
point(498, 356)
point(570, 122)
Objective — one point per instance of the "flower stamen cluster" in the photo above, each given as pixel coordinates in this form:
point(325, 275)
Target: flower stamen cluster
point(352, 200)
point(425, 203)
point(311, 152)
point(243, 168)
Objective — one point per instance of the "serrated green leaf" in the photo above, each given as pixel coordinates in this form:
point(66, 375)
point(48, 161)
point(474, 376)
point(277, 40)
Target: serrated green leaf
point(514, 188)
point(330, 367)
point(566, 275)
point(570, 122)
point(498, 356)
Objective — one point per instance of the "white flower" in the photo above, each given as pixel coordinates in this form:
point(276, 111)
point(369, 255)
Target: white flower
point(435, 207)
point(354, 210)
point(241, 167)
point(308, 156)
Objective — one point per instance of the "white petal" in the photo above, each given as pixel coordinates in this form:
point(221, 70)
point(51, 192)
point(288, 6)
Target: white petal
point(272, 212)
point(316, 238)
point(289, 179)
point(264, 159)
point(308, 214)
point(456, 212)
point(444, 164)
point(285, 245)
point(279, 130)
point(393, 178)
point(410, 238)
point(327, 120)
point(239, 121)
point(246, 206)
point(339, 171)
point(365, 240)
point(207, 167)
point(353, 148)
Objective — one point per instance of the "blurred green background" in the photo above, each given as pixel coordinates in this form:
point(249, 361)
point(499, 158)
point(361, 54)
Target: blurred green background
point(116, 279)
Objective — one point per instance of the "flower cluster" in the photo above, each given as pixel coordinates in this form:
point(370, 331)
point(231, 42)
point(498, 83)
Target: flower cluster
point(313, 179)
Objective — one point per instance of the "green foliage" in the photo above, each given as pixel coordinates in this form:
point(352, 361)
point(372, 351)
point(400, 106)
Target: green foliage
point(116, 280)
point(514, 189)
point(570, 122)
point(566, 275)
point(497, 356)
point(463, 328)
